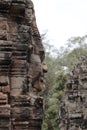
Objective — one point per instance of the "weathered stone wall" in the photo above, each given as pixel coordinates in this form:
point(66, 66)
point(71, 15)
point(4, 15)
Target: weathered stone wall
point(22, 67)
point(73, 106)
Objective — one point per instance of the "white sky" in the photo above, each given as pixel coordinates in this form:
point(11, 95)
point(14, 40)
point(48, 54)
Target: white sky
point(62, 18)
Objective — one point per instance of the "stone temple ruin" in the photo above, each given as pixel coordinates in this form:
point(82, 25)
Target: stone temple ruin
point(22, 67)
point(73, 106)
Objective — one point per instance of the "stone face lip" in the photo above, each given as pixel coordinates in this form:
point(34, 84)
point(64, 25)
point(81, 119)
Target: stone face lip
point(73, 106)
point(22, 67)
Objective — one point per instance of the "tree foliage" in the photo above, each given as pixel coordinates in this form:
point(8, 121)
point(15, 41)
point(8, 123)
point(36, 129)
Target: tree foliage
point(59, 64)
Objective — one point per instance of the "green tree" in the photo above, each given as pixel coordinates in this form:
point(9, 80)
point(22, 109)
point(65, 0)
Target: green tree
point(59, 64)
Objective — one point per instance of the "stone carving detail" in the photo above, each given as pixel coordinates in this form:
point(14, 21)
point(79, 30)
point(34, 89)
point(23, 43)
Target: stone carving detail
point(73, 106)
point(22, 67)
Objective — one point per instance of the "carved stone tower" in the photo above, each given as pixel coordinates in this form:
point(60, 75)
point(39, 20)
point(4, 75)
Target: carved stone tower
point(73, 106)
point(22, 67)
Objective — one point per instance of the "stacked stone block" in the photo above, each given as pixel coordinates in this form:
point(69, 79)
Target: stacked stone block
point(22, 67)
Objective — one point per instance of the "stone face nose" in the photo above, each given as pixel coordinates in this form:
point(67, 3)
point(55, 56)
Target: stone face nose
point(44, 67)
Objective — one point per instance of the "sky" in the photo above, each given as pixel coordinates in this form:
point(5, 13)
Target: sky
point(61, 19)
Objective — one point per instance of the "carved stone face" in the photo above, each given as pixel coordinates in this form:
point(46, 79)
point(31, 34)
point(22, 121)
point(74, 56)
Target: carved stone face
point(22, 31)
